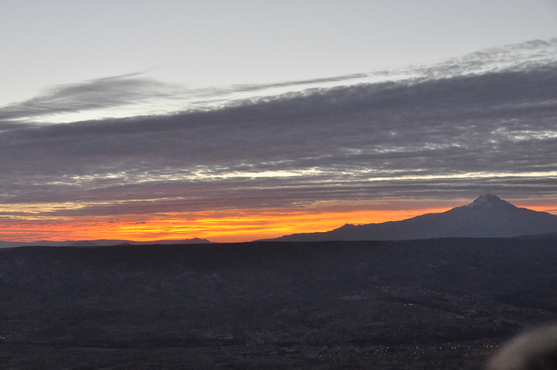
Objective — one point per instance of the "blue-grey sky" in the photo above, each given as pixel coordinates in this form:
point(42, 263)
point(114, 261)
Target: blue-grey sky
point(184, 113)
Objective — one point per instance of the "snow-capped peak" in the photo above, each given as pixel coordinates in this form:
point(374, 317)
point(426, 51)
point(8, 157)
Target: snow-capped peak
point(490, 201)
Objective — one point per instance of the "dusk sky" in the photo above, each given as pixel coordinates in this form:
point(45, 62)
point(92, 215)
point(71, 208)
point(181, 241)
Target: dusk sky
point(242, 120)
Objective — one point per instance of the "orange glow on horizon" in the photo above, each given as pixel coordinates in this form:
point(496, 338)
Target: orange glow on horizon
point(221, 226)
point(229, 226)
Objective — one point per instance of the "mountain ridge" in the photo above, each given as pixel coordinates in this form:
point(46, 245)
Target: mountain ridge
point(99, 242)
point(487, 216)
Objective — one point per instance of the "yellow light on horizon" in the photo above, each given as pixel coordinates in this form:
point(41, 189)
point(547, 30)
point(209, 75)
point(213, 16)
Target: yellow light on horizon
point(232, 225)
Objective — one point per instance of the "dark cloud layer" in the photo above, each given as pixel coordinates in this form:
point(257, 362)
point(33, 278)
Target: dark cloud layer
point(438, 137)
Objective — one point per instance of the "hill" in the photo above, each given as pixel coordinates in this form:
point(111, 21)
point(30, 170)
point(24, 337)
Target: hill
point(423, 304)
point(486, 217)
point(98, 243)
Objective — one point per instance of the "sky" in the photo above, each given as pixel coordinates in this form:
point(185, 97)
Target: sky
point(242, 120)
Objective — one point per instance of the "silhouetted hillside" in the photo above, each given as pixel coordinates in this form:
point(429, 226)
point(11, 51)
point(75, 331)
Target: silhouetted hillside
point(488, 216)
point(98, 242)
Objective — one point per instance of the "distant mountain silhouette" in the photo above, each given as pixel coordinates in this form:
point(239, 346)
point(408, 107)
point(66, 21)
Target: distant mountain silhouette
point(98, 242)
point(487, 216)
point(83, 243)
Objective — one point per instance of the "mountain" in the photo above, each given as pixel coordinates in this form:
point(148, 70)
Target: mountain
point(98, 242)
point(488, 216)
point(83, 243)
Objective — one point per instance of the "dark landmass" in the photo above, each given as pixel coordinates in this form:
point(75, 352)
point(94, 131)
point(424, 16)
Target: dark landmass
point(423, 304)
point(486, 217)
point(98, 243)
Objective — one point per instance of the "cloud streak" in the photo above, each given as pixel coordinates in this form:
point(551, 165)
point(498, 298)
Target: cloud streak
point(485, 122)
point(91, 95)
point(134, 94)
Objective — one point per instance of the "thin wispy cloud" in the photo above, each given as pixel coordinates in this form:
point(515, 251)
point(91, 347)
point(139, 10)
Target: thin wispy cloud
point(91, 95)
point(135, 94)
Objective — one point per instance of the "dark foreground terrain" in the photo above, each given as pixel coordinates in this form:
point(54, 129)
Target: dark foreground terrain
point(429, 304)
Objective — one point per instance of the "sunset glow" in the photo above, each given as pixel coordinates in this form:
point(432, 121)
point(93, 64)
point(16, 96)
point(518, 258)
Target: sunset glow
point(229, 226)
point(225, 226)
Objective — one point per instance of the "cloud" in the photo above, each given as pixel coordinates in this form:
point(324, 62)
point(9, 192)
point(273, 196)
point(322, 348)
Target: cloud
point(90, 95)
point(117, 96)
point(135, 95)
point(450, 135)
